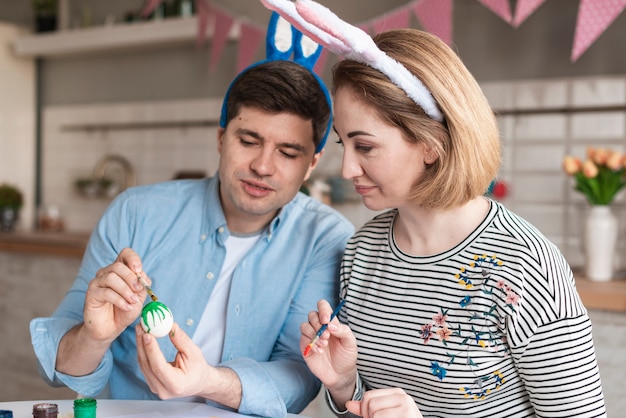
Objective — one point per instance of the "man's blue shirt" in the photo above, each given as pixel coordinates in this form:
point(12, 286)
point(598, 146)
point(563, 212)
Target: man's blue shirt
point(178, 229)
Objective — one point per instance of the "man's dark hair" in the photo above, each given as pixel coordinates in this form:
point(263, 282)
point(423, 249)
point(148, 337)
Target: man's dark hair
point(278, 87)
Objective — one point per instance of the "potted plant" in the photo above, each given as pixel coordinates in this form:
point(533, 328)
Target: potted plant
point(11, 200)
point(599, 177)
point(45, 12)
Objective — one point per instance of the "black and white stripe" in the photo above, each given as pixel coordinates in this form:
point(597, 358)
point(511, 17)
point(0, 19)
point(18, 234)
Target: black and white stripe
point(541, 347)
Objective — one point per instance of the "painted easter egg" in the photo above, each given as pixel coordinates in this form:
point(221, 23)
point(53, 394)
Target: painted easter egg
point(157, 319)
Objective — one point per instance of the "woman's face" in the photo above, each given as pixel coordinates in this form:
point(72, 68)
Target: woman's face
point(381, 163)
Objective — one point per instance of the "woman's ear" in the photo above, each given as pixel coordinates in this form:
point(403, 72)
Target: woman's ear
point(430, 156)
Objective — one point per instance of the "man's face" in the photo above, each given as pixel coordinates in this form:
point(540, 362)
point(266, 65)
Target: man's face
point(264, 158)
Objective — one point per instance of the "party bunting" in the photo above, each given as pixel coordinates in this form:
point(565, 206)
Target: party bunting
point(249, 41)
point(594, 16)
point(222, 25)
point(524, 9)
point(435, 17)
point(500, 7)
point(393, 20)
point(203, 12)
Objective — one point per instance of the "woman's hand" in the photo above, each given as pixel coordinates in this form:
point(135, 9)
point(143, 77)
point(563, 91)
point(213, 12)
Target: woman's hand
point(385, 403)
point(333, 357)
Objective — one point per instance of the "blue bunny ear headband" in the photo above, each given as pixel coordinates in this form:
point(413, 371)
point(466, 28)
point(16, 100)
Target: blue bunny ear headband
point(326, 28)
point(281, 42)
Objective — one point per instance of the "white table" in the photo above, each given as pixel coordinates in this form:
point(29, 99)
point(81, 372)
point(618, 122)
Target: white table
point(108, 408)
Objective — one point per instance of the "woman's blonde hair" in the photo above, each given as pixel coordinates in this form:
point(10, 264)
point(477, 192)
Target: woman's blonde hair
point(466, 143)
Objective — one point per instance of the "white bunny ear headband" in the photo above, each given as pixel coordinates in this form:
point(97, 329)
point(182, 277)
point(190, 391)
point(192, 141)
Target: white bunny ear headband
point(327, 29)
point(283, 40)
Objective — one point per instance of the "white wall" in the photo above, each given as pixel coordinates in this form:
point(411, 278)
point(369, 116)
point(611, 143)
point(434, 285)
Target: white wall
point(534, 146)
point(17, 120)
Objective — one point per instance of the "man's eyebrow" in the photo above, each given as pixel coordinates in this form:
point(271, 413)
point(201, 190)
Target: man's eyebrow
point(256, 135)
point(296, 147)
point(248, 132)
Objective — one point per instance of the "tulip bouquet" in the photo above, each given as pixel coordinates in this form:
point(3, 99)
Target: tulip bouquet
point(600, 176)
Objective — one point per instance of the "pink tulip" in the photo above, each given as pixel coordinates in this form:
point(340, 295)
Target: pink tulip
point(614, 160)
point(600, 156)
point(590, 170)
point(571, 165)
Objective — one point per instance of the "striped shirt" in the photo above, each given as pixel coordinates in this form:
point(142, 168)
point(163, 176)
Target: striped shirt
point(493, 327)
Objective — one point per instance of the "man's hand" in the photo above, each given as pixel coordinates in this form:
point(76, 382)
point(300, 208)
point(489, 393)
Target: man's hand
point(113, 301)
point(114, 298)
point(189, 374)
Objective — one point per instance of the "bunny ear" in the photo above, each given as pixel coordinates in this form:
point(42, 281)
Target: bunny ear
point(326, 28)
point(280, 39)
point(283, 40)
point(306, 51)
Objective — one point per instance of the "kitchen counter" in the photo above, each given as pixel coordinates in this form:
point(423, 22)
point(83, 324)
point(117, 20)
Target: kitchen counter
point(45, 243)
point(605, 296)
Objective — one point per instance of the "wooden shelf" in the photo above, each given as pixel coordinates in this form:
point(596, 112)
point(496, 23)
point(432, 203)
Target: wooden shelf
point(44, 243)
point(606, 296)
point(122, 36)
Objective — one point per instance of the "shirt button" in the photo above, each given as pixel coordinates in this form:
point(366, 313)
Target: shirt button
point(203, 237)
point(220, 229)
point(189, 322)
point(237, 310)
point(210, 276)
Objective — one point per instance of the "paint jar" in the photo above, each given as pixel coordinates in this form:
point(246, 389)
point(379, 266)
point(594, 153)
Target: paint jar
point(4, 413)
point(85, 408)
point(45, 410)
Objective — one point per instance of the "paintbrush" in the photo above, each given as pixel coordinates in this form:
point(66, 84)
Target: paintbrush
point(145, 286)
point(319, 333)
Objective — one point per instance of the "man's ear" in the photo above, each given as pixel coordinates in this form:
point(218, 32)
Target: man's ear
point(220, 134)
point(316, 159)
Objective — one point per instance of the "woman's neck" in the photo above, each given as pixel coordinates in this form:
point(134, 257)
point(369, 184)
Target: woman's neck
point(423, 232)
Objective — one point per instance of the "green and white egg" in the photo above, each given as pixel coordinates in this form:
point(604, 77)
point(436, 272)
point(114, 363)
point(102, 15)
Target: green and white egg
point(157, 319)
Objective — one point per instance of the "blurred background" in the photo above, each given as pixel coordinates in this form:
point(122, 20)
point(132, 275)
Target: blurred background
point(96, 97)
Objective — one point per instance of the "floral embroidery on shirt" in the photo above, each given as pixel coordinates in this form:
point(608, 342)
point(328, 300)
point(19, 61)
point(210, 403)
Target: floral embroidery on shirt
point(477, 275)
point(483, 386)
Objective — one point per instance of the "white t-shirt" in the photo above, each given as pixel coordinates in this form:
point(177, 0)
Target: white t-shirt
point(210, 333)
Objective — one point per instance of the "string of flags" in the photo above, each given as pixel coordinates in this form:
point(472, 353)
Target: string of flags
point(434, 16)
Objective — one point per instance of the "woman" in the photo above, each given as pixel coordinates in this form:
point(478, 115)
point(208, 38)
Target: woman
point(455, 307)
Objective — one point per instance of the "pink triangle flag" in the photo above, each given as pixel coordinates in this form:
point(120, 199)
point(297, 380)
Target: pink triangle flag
point(500, 7)
point(203, 12)
point(249, 40)
point(223, 22)
point(525, 8)
point(436, 17)
point(150, 6)
point(321, 62)
point(365, 27)
point(594, 16)
point(394, 20)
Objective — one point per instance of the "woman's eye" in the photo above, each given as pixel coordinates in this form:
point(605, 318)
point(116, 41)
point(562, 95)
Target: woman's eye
point(287, 155)
point(363, 148)
point(246, 143)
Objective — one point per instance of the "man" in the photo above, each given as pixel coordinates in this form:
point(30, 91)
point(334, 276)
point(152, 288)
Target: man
point(240, 259)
